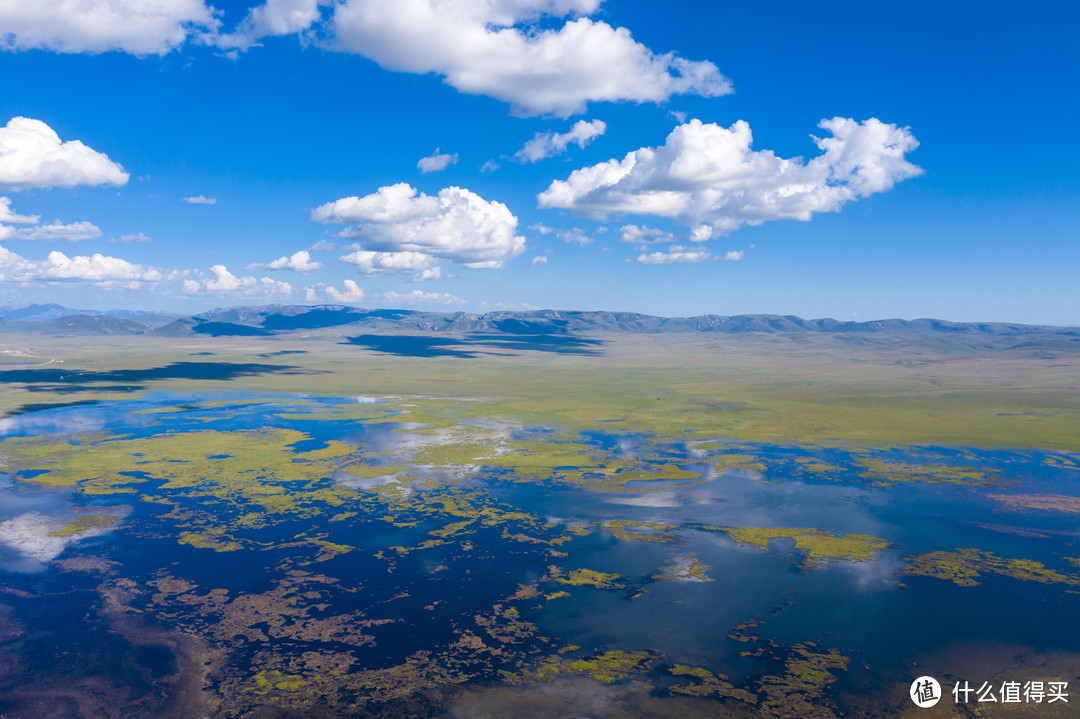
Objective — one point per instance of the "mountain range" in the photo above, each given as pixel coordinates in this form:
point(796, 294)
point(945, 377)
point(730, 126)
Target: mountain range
point(339, 320)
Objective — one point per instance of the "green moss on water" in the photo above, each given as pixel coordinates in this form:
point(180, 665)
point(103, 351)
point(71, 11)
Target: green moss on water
point(707, 684)
point(608, 667)
point(683, 569)
point(86, 523)
point(585, 577)
point(635, 531)
point(208, 540)
point(737, 461)
point(889, 471)
point(819, 546)
point(964, 567)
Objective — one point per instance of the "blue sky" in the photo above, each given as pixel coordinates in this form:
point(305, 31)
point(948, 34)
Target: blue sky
point(628, 156)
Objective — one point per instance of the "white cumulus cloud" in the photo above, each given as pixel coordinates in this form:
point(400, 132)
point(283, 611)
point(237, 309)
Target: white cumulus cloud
point(351, 294)
point(8, 215)
point(676, 253)
point(273, 18)
point(574, 235)
point(406, 231)
point(436, 162)
point(638, 234)
point(734, 255)
point(297, 262)
point(139, 27)
point(496, 48)
point(549, 144)
point(225, 281)
point(705, 174)
point(538, 260)
point(59, 232)
point(416, 296)
point(32, 155)
point(200, 200)
point(97, 268)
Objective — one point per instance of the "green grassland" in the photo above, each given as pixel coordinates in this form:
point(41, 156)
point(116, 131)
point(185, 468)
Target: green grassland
point(772, 388)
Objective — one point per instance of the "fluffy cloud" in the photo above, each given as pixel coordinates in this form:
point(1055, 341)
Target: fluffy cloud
point(639, 234)
point(416, 296)
point(350, 295)
point(59, 232)
point(57, 266)
point(676, 253)
point(436, 162)
point(32, 155)
point(538, 260)
point(8, 215)
point(370, 263)
point(574, 235)
point(200, 200)
point(274, 18)
point(481, 48)
point(405, 231)
point(297, 262)
point(734, 255)
point(92, 26)
point(707, 175)
point(225, 281)
point(549, 144)
point(55, 232)
point(322, 246)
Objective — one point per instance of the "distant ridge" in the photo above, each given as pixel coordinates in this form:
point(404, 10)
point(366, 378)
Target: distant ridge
point(283, 319)
point(340, 320)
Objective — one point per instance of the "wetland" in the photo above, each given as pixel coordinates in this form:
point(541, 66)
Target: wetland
point(228, 549)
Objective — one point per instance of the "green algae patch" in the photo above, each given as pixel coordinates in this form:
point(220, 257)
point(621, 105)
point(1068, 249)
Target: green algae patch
point(964, 568)
point(529, 458)
point(683, 569)
point(208, 540)
point(86, 524)
point(229, 461)
point(608, 667)
point(585, 578)
point(819, 546)
point(798, 692)
point(707, 684)
point(891, 471)
point(441, 455)
point(746, 462)
point(631, 531)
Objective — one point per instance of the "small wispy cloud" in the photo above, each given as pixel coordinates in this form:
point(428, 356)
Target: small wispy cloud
point(549, 144)
point(436, 162)
point(677, 253)
point(200, 200)
point(131, 239)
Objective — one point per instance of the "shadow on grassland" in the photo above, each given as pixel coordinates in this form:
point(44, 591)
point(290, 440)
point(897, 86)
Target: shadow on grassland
point(65, 380)
point(475, 345)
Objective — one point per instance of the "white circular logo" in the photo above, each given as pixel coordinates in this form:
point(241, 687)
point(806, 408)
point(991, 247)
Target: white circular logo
point(925, 692)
